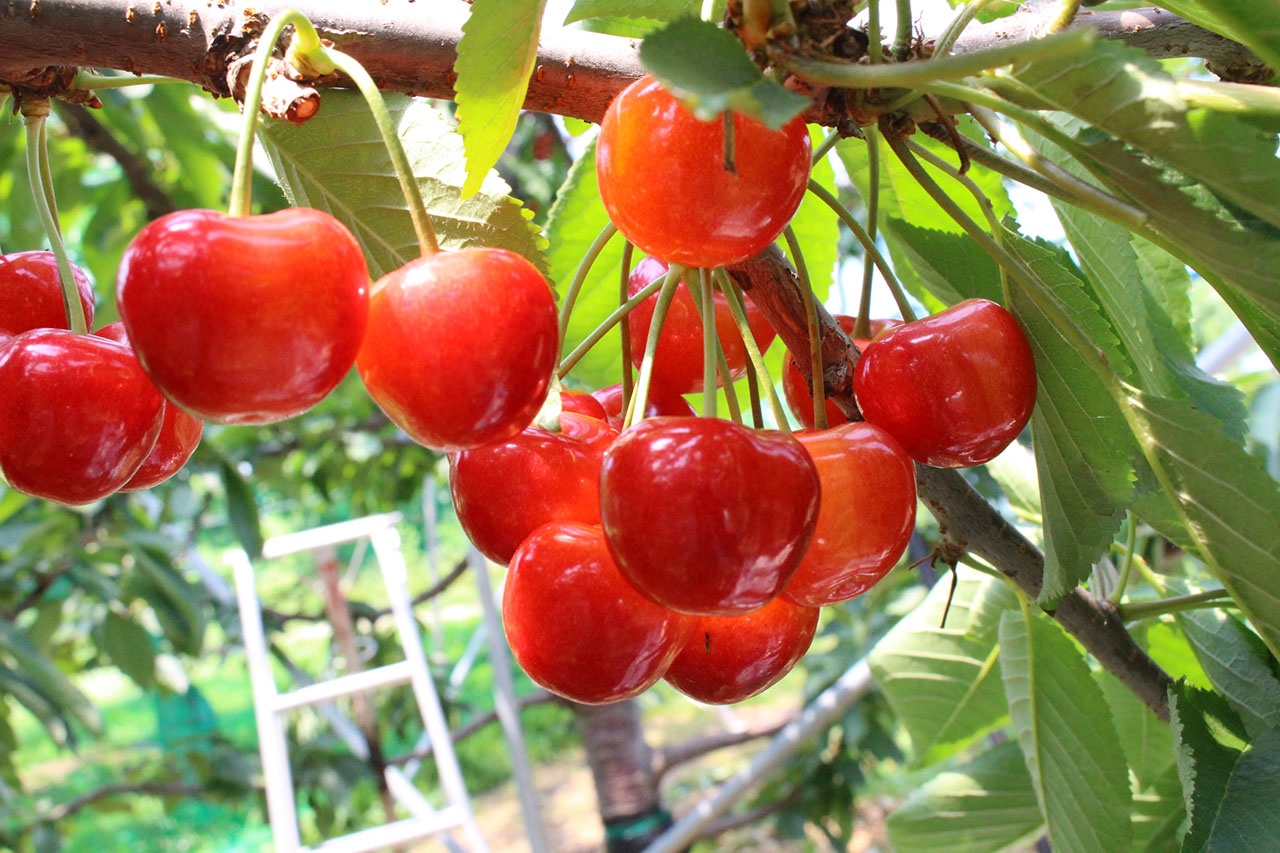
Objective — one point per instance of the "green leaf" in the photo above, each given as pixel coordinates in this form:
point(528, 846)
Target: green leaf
point(496, 55)
point(817, 229)
point(129, 647)
point(951, 265)
point(1237, 664)
point(336, 162)
point(1070, 746)
point(242, 510)
point(1159, 812)
point(707, 68)
point(657, 10)
point(944, 682)
point(1145, 738)
point(1084, 454)
point(985, 804)
point(1229, 501)
point(1208, 739)
point(1248, 818)
point(178, 602)
point(1122, 92)
point(45, 677)
point(1253, 24)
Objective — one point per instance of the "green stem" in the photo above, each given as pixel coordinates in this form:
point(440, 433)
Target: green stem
point(580, 275)
point(710, 343)
point(35, 113)
point(1063, 16)
point(951, 67)
point(868, 245)
point(85, 81)
point(1135, 610)
point(943, 44)
point(624, 293)
point(828, 142)
point(1240, 99)
point(816, 384)
point(875, 50)
point(640, 399)
point(738, 308)
point(902, 40)
point(1126, 567)
point(570, 361)
point(46, 176)
point(862, 325)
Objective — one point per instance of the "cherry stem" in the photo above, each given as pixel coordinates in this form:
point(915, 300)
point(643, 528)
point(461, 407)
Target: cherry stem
point(570, 361)
point(1126, 567)
point(942, 46)
point(816, 380)
point(1160, 607)
point(710, 342)
point(728, 136)
point(753, 391)
point(580, 276)
point(875, 50)
point(428, 242)
point(242, 177)
point(640, 400)
point(902, 40)
point(862, 324)
point(869, 246)
point(738, 308)
point(34, 115)
point(624, 287)
point(85, 81)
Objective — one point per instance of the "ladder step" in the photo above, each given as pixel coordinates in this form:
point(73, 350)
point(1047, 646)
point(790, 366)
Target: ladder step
point(392, 834)
point(346, 685)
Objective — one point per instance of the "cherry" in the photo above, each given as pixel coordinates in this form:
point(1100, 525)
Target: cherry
point(244, 319)
point(955, 388)
point(677, 364)
point(576, 626)
point(799, 393)
point(707, 516)
point(77, 417)
point(865, 526)
point(180, 433)
point(31, 293)
point(731, 658)
point(504, 491)
point(660, 401)
point(461, 346)
point(664, 183)
point(582, 403)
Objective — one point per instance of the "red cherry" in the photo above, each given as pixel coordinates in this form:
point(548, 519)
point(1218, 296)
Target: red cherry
point(77, 416)
point(677, 365)
point(865, 527)
point(955, 388)
point(504, 491)
point(180, 433)
point(731, 658)
point(663, 179)
point(707, 516)
point(31, 293)
point(582, 403)
point(798, 392)
point(576, 626)
point(461, 346)
point(659, 402)
point(244, 319)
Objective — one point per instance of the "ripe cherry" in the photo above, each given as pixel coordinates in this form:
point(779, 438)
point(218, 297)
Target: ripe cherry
point(31, 293)
point(576, 626)
point(244, 319)
point(707, 516)
point(677, 365)
point(864, 526)
point(77, 416)
point(799, 393)
point(954, 388)
point(461, 346)
point(731, 658)
point(180, 434)
point(660, 401)
point(582, 403)
point(504, 491)
point(663, 179)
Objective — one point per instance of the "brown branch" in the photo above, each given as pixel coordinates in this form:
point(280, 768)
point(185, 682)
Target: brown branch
point(279, 617)
point(153, 789)
point(667, 758)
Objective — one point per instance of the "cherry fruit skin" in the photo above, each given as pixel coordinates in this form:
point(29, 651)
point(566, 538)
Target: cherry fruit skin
point(582, 403)
point(77, 417)
point(731, 658)
point(677, 364)
point(461, 346)
point(244, 319)
point(180, 434)
point(864, 528)
point(504, 491)
point(31, 293)
point(663, 179)
point(799, 394)
point(955, 388)
point(706, 516)
point(659, 402)
point(574, 623)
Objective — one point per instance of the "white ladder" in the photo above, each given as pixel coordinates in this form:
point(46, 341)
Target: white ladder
point(271, 705)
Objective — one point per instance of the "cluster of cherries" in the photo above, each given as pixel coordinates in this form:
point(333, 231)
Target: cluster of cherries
point(694, 549)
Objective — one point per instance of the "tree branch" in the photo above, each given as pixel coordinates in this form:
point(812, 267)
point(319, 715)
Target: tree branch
point(668, 757)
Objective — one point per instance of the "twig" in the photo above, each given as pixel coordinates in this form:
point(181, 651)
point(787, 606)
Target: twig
point(151, 789)
point(667, 758)
point(538, 697)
